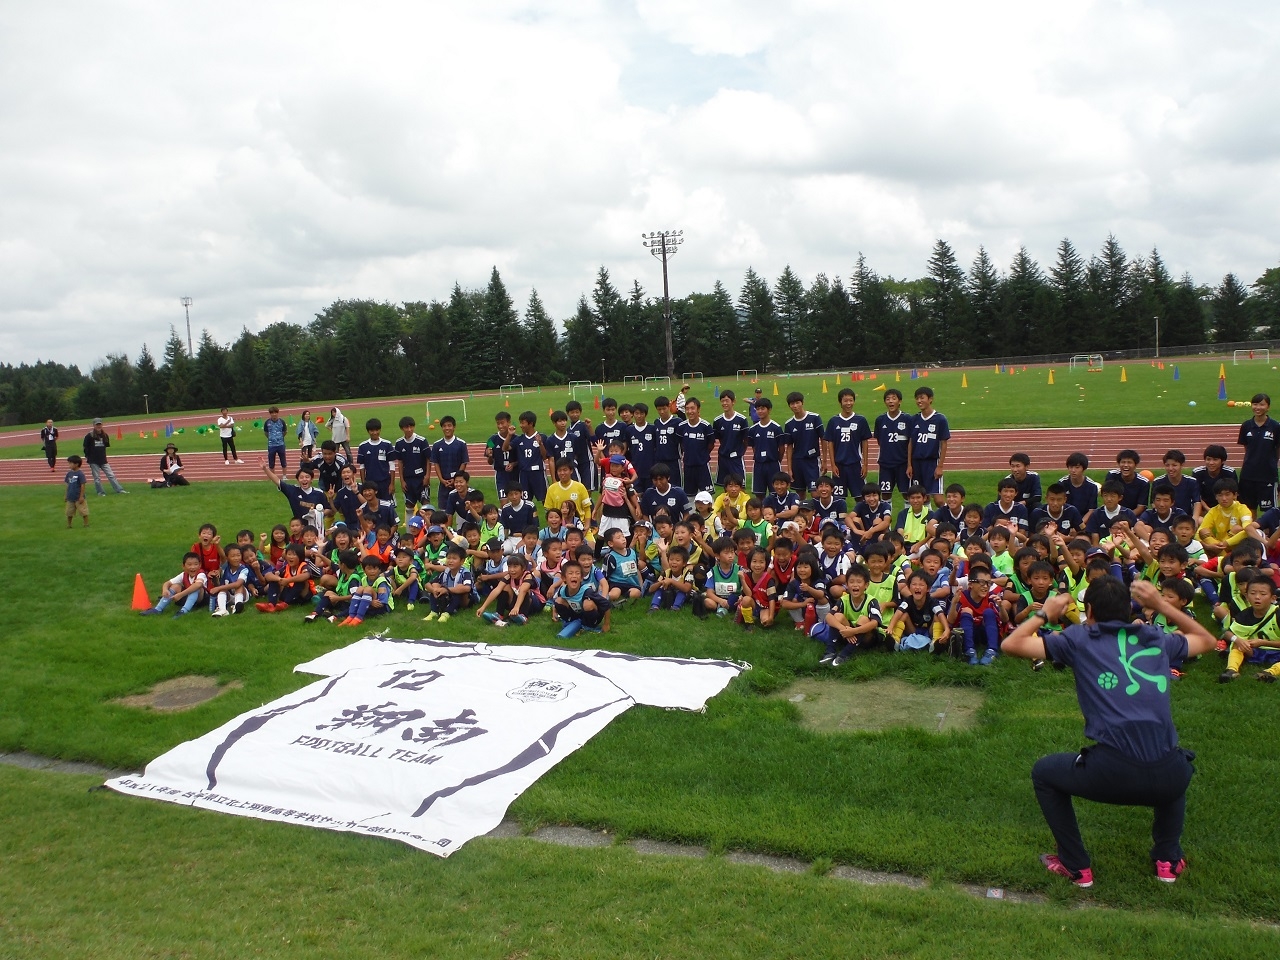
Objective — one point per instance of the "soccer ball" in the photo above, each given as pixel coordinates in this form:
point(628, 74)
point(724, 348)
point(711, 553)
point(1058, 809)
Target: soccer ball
point(1191, 403)
point(1108, 680)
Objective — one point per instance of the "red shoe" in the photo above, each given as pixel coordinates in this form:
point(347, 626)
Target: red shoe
point(353, 622)
point(345, 623)
point(265, 607)
point(279, 607)
point(1081, 878)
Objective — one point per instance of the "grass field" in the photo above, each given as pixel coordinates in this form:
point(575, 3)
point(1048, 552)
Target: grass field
point(1021, 399)
point(746, 775)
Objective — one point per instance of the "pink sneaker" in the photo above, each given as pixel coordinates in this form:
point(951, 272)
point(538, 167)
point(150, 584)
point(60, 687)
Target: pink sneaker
point(1167, 872)
point(1081, 878)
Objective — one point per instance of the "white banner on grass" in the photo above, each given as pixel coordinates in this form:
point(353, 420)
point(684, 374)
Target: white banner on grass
point(423, 742)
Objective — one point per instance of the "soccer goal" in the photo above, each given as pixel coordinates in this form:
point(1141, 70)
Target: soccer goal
point(511, 389)
point(657, 383)
point(1261, 353)
point(435, 404)
point(693, 375)
point(1090, 361)
point(636, 379)
point(585, 386)
point(747, 375)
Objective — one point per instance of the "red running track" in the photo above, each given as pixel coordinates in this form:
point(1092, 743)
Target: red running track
point(969, 450)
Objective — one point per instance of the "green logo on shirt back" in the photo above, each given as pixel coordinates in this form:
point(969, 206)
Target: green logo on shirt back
point(1108, 680)
point(1130, 651)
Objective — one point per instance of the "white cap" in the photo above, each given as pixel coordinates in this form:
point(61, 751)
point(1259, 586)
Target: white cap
point(703, 497)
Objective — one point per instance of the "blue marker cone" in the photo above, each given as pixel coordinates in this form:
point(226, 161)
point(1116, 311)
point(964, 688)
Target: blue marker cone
point(717, 393)
point(1176, 375)
point(1222, 388)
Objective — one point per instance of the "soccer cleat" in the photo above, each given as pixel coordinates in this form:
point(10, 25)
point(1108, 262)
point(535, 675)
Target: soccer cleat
point(1037, 665)
point(1221, 647)
point(988, 656)
point(353, 622)
point(827, 659)
point(1167, 872)
point(239, 607)
point(519, 619)
point(973, 658)
point(444, 617)
point(265, 607)
point(724, 612)
point(180, 613)
point(431, 616)
point(1175, 673)
point(491, 617)
point(1226, 676)
point(1081, 878)
point(499, 622)
point(220, 613)
point(1267, 677)
point(841, 658)
point(280, 606)
point(149, 612)
point(410, 605)
point(311, 618)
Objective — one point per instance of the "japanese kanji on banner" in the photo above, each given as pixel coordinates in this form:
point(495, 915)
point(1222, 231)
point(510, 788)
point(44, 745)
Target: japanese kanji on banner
point(425, 742)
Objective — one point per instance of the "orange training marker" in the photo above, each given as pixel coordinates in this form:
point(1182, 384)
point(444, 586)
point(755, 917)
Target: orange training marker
point(140, 599)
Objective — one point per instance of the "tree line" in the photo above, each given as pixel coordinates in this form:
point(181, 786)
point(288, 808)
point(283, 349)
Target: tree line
point(477, 339)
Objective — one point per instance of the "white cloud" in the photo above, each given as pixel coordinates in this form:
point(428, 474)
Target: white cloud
point(267, 160)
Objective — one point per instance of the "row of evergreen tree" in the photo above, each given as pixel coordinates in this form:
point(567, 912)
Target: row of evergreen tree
point(478, 340)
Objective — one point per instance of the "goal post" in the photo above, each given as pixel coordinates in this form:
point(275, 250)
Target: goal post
point(693, 375)
point(1090, 361)
point(585, 386)
point(638, 378)
point(439, 401)
point(1242, 356)
point(657, 383)
point(747, 374)
point(511, 389)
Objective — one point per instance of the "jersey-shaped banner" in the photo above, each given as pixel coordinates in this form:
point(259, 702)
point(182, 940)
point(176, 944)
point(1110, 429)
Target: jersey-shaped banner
point(424, 742)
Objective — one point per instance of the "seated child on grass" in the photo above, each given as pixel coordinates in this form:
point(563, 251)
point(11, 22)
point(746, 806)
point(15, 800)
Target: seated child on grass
point(852, 625)
point(976, 615)
point(187, 588)
point(1254, 635)
point(675, 585)
point(578, 605)
point(231, 591)
point(920, 621)
point(337, 596)
point(805, 596)
point(515, 598)
point(371, 598)
point(452, 591)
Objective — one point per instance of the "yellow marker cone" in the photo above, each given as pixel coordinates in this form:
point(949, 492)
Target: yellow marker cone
point(1051, 376)
point(883, 386)
point(1222, 371)
point(964, 379)
point(997, 368)
point(837, 379)
point(824, 386)
point(1124, 377)
point(897, 376)
point(775, 388)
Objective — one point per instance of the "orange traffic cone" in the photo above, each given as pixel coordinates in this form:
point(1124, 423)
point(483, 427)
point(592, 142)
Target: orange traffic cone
point(597, 403)
point(506, 403)
point(140, 599)
point(119, 433)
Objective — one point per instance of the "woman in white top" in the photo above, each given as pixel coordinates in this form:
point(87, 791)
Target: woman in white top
point(227, 434)
point(340, 431)
point(307, 433)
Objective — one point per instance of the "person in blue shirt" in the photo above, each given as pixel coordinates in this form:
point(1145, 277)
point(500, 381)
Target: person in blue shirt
point(531, 455)
point(75, 482)
point(1082, 492)
point(561, 443)
point(845, 444)
point(1122, 684)
point(346, 499)
point(1065, 518)
point(623, 567)
point(449, 454)
point(1007, 511)
point(1186, 488)
point(766, 439)
point(804, 442)
point(730, 431)
point(1027, 481)
point(413, 455)
point(642, 445)
point(303, 497)
point(273, 428)
point(696, 438)
point(755, 414)
point(516, 515)
point(610, 429)
point(891, 440)
point(783, 501)
point(1137, 489)
point(1260, 437)
point(376, 459)
point(580, 430)
point(927, 439)
point(663, 497)
point(500, 455)
point(666, 432)
point(828, 507)
point(1100, 521)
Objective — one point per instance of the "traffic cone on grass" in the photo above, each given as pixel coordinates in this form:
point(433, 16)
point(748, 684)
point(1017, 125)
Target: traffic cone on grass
point(140, 599)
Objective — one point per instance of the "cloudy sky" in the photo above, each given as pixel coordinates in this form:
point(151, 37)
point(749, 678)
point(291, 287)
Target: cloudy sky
point(266, 159)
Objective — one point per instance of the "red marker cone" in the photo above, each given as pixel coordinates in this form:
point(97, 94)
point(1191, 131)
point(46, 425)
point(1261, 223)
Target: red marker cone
point(119, 433)
point(140, 599)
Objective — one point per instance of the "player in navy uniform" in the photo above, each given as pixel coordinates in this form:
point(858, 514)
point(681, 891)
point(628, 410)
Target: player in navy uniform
point(413, 454)
point(1215, 468)
point(328, 468)
point(496, 452)
point(1260, 437)
point(927, 445)
point(663, 497)
point(666, 438)
point(450, 454)
point(1082, 492)
point(531, 454)
point(1027, 481)
point(730, 431)
point(783, 501)
point(804, 442)
point(580, 430)
point(845, 445)
point(1065, 518)
point(827, 506)
point(1137, 490)
point(1186, 489)
point(561, 444)
point(642, 446)
point(376, 459)
point(1006, 510)
point(891, 438)
point(610, 430)
point(766, 439)
point(696, 438)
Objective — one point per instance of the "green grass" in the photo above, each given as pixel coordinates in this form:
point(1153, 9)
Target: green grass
point(94, 874)
point(746, 774)
point(1023, 399)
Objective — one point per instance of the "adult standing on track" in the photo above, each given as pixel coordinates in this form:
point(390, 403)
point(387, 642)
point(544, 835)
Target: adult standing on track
point(1122, 684)
point(308, 433)
point(96, 442)
point(1260, 437)
point(227, 434)
point(49, 440)
point(340, 431)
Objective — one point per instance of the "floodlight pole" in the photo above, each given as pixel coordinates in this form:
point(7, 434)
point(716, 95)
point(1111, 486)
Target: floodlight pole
point(1157, 336)
point(663, 245)
point(186, 306)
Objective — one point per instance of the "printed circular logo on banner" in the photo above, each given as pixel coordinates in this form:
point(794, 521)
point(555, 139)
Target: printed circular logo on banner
point(541, 691)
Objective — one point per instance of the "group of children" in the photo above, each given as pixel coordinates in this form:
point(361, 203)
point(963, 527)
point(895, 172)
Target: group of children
point(617, 526)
